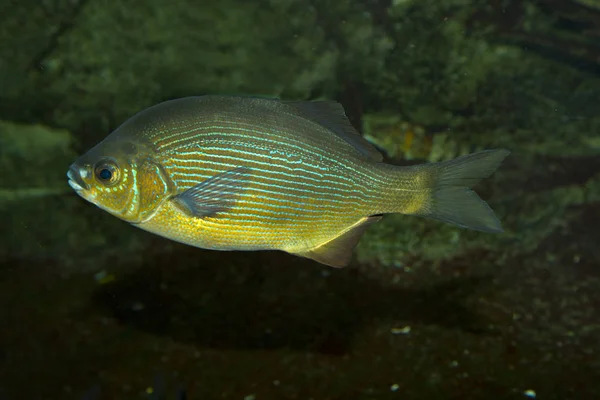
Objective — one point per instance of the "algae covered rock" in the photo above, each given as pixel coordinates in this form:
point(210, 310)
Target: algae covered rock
point(42, 218)
point(429, 80)
point(478, 92)
point(37, 157)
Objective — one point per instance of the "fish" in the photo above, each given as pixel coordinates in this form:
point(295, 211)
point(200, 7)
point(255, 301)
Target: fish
point(248, 173)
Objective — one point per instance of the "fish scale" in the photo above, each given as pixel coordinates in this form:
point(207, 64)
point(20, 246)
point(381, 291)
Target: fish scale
point(245, 173)
point(292, 186)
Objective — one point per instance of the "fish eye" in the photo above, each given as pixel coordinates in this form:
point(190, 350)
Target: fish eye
point(107, 172)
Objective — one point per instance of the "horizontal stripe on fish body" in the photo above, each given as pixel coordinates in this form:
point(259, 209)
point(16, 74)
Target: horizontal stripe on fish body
point(235, 173)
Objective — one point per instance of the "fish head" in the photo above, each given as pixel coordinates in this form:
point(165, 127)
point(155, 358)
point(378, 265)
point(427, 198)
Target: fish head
point(122, 178)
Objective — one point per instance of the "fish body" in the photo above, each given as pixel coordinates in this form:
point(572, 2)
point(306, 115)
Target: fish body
point(245, 173)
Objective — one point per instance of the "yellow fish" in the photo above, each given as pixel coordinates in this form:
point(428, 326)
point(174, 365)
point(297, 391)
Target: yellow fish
point(245, 173)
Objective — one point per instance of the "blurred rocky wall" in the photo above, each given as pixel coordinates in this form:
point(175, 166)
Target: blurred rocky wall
point(467, 74)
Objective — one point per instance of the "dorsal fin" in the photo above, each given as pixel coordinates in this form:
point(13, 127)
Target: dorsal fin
point(338, 252)
point(331, 115)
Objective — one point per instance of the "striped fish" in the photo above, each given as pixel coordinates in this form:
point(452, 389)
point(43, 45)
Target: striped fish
point(245, 173)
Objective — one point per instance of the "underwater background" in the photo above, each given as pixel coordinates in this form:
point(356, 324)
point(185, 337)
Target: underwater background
point(92, 308)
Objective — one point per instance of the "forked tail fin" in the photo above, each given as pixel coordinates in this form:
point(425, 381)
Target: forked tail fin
point(450, 198)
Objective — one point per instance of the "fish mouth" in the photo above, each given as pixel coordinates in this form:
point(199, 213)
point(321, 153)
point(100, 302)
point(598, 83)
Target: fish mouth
point(75, 179)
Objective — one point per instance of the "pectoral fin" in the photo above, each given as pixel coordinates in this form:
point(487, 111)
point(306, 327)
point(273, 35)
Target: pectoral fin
point(214, 195)
point(338, 252)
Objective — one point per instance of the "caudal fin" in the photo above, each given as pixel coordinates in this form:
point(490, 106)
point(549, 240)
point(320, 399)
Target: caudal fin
point(451, 198)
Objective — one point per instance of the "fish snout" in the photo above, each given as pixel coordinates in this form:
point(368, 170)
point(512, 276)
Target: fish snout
point(76, 175)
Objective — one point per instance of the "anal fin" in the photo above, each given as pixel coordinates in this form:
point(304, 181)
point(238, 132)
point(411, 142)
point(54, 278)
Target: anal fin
point(338, 251)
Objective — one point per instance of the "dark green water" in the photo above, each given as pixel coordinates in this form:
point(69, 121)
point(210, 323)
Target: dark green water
point(93, 308)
